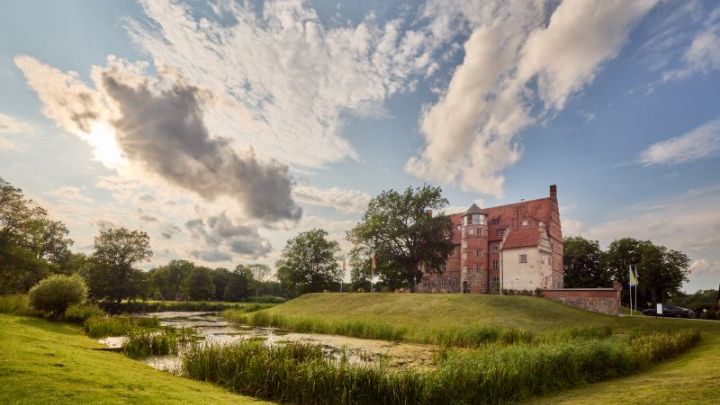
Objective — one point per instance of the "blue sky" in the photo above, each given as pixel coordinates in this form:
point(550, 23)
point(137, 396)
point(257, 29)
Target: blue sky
point(110, 113)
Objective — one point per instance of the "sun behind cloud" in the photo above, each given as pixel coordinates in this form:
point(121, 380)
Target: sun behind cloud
point(104, 143)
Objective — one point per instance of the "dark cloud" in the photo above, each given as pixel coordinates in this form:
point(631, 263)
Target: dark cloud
point(170, 231)
point(165, 131)
point(219, 232)
point(212, 255)
point(147, 198)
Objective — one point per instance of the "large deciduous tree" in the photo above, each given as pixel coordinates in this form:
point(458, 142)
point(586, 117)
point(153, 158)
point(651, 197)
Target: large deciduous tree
point(404, 236)
point(112, 276)
point(583, 262)
point(308, 263)
point(31, 244)
point(661, 271)
point(199, 284)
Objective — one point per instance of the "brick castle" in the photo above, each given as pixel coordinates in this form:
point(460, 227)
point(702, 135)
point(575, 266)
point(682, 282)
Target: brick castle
point(510, 247)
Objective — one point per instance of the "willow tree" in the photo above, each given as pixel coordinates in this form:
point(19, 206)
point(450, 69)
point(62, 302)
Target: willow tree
point(399, 229)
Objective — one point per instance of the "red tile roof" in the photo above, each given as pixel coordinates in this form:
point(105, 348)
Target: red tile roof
point(522, 238)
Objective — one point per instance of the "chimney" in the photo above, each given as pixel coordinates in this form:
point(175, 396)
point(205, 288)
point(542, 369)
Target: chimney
point(553, 192)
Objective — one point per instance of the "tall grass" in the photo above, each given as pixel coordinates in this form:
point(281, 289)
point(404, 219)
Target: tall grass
point(128, 307)
point(143, 343)
point(298, 373)
point(102, 326)
point(15, 304)
point(360, 329)
point(496, 373)
point(499, 374)
point(475, 336)
point(79, 313)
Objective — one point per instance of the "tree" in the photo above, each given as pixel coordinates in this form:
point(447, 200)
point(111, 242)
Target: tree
point(398, 229)
point(238, 286)
point(583, 262)
point(26, 225)
point(260, 273)
point(198, 285)
point(661, 271)
point(168, 279)
point(221, 278)
point(54, 294)
point(112, 276)
point(31, 244)
point(308, 264)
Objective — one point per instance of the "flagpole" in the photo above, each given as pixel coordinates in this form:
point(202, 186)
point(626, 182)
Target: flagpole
point(630, 287)
point(637, 283)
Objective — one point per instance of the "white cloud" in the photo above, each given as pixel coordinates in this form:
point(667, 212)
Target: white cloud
point(513, 65)
point(702, 56)
point(289, 78)
point(70, 194)
point(344, 200)
point(10, 125)
point(700, 143)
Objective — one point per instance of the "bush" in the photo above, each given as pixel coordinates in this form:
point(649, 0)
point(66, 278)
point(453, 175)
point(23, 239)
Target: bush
point(54, 294)
point(13, 303)
point(79, 313)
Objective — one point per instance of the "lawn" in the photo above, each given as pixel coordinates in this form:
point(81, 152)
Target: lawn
point(46, 362)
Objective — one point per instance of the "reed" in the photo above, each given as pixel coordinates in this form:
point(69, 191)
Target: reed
point(355, 328)
point(102, 326)
point(143, 343)
point(476, 336)
point(497, 372)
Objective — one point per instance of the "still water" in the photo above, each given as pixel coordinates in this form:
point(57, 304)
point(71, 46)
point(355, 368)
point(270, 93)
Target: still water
point(213, 329)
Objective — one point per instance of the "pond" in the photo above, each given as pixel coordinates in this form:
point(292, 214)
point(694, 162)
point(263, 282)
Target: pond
point(213, 329)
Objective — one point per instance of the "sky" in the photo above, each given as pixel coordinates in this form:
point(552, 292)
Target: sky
point(224, 128)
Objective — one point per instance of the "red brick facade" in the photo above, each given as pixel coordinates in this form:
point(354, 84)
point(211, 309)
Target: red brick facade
point(481, 235)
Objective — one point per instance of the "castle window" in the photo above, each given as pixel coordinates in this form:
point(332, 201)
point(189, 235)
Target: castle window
point(495, 264)
point(443, 282)
point(494, 221)
point(500, 233)
point(495, 247)
point(478, 252)
point(550, 260)
point(525, 222)
point(479, 231)
point(478, 268)
point(523, 258)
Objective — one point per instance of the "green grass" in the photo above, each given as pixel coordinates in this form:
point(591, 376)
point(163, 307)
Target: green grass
point(47, 362)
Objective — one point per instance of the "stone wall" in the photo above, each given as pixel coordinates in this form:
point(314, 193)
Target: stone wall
point(602, 300)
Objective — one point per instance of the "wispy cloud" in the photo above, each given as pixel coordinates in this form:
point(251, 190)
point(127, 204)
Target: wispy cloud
point(10, 125)
point(700, 143)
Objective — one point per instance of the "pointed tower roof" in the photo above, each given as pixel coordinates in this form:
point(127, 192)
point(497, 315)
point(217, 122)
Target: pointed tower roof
point(474, 209)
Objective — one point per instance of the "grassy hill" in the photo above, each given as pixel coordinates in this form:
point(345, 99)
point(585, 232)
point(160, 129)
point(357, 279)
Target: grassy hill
point(48, 362)
point(422, 314)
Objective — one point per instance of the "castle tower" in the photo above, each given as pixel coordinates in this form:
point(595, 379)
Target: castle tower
point(474, 251)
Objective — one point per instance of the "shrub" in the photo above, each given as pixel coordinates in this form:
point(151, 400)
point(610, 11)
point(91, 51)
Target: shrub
point(102, 326)
point(79, 313)
point(54, 294)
